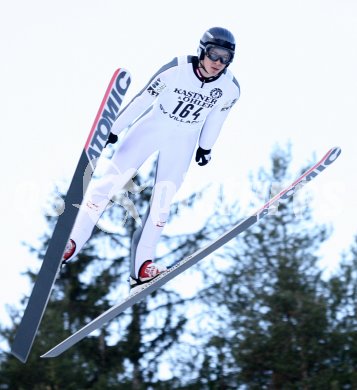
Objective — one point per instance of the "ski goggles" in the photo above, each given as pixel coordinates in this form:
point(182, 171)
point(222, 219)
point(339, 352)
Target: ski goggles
point(215, 53)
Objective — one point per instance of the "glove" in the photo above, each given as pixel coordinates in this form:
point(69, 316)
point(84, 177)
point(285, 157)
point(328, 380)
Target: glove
point(112, 139)
point(203, 156)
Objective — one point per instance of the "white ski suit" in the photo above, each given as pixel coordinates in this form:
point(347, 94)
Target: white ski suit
point(175, 110)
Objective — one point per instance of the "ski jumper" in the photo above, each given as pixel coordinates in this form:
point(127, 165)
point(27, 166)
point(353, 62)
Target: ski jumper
point(174, 110)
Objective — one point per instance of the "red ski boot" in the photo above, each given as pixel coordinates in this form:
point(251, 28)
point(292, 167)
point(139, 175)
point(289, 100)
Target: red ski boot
point(148, 271)
point(68, 252)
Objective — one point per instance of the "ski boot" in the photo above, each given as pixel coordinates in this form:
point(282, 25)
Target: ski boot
point(148, 271)
point(68, 253)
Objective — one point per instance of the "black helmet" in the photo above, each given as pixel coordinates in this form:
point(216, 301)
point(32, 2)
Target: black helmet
point(217, 36)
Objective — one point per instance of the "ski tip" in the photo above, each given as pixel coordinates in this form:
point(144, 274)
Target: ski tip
point(120, 70)
point(334, 152)
point(336, 149)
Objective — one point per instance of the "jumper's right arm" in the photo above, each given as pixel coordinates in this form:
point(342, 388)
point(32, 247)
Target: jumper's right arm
point(138, 105)
point(143, 100)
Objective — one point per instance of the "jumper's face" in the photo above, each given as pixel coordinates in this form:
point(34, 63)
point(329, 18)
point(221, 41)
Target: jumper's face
point(216, 59)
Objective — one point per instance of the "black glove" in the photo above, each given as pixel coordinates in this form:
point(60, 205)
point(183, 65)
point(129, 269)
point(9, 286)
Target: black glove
point(112, 139)
point(204, 155)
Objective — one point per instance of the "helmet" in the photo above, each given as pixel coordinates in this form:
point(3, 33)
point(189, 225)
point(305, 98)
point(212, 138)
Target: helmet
point(217, 36)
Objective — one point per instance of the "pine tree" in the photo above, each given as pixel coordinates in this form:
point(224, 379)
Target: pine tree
point(271, 329)
point(126, 353)
point(342, 288)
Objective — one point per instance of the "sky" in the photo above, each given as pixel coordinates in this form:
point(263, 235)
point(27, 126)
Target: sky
point(295, 61)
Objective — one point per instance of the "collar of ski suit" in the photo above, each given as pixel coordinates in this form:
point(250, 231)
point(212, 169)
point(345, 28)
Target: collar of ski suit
point(196, 70)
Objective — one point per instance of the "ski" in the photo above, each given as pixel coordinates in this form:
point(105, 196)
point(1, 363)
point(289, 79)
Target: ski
point(189, 261)
point(46, 278)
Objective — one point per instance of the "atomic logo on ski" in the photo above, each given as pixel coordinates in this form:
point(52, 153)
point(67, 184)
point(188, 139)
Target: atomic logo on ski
point(107, 114)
